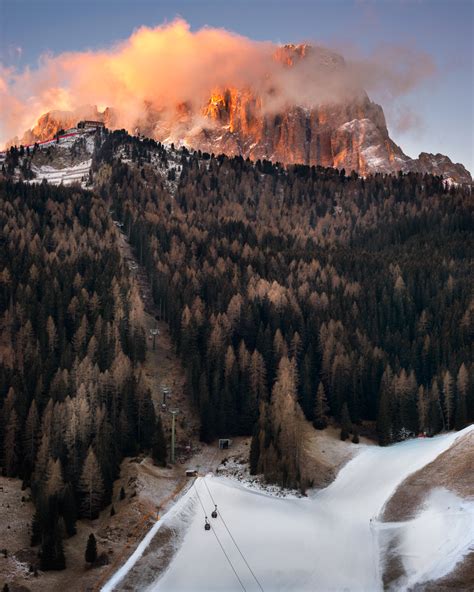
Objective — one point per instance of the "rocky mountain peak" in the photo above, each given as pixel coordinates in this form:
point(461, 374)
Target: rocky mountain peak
point(350, 133)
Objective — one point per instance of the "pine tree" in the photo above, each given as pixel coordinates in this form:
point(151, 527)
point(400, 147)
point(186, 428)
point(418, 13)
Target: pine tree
point(68, 509)
point(385, 430)
point(285, 417)
point(346, 423)
point(448, 396)
point(91, 486)
point(254, 451)
point(435, 413)
point(54, 478)
point(321, 409)
point(36, 528)
point(462, 382)
point(11, 444)
point(30, 437)
point(51, 551)
point(91, 549)
point(422, 406)
point(158, 451)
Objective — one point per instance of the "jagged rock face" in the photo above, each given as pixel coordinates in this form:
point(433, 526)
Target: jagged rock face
point(456, 172)
point(336, 135)
point(350, 133)
point(50, 123)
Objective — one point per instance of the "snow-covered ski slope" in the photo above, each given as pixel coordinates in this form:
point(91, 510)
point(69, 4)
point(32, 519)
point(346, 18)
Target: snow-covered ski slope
point(330, 541)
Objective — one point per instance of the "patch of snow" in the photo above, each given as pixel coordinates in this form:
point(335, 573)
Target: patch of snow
point(239, 473)
point(356, 123)
point(66, 176)
point(181, 505)
point(431, 544)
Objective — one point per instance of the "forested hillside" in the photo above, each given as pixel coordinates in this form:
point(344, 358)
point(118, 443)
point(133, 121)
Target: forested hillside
point(303, 290)
point(71, 406)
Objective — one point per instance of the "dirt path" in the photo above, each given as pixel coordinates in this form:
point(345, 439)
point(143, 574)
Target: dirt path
point(162, 368)
point(158, 488)
point(149, 490)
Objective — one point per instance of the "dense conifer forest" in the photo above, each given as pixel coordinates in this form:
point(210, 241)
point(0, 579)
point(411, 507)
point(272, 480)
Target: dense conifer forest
point(302, 290)
point(71, 403)
point(290, 292)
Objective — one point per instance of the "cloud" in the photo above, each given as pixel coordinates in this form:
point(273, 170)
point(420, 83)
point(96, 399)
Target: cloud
point(405, 120)
point(170, 65)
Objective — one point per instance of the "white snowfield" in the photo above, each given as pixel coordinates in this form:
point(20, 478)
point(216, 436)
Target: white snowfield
point(66, 176)
point(430, 545)
point(78, 173)
point(330, 541)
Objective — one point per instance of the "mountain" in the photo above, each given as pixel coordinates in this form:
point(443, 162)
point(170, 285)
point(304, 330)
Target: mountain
point(348, 131)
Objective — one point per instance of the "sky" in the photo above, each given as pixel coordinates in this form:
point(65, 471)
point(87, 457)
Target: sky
point(436, 115)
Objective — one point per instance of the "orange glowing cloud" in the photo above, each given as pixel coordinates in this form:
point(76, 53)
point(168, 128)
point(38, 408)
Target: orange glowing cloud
point(170, 65)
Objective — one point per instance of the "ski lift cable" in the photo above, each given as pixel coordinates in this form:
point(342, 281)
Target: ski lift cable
point(220, 544)
point(199, 498)
point(234, 541)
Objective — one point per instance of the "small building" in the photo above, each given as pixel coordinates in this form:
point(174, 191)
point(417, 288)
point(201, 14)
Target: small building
point(191, 473)
point(224, 443)
point(88, 124)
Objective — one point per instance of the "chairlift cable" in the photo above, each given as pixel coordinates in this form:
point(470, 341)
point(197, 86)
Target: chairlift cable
point(234, 541)
point(220, 544)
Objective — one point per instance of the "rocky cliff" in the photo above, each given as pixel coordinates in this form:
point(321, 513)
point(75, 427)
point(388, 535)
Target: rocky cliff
point(349, 132)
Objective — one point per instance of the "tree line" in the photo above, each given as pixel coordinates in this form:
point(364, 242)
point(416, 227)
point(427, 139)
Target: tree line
point(301, 289)
point(72, 402)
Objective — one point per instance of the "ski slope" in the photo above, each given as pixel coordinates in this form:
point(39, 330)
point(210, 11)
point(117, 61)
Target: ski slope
point(329, 541)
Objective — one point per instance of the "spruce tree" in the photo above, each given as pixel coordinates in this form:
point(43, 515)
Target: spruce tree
point(448, 398)
point(321, 409)
point(91, 486)
point(36, 528)
point(346, 423)
point(91, 549)
point(461, 395)
point(158, 451)
point(254, 451)
point(51, 551)
point(68, 509)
